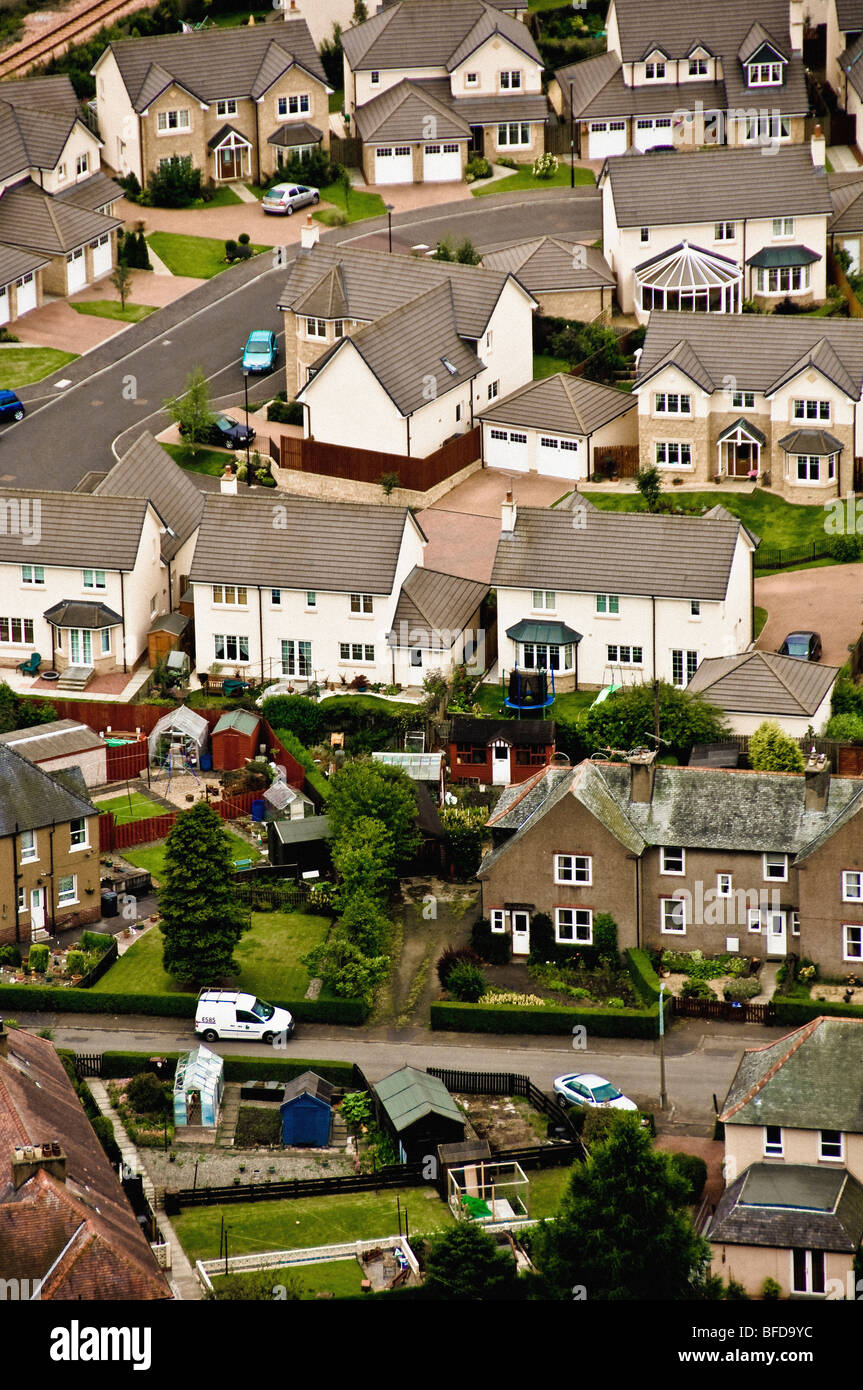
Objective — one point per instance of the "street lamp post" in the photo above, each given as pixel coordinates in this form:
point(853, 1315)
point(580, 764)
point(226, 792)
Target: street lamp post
point(663, 1098)
point(248, 460)
point(571, 140)
point(390, 207)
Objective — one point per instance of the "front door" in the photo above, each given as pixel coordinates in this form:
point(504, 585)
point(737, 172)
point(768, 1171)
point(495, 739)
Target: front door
point(500, 765)
point(741, 460)
point(37, 910)
point(776, 934)
point(521, 933)
point(80, 646)
point(476, 140)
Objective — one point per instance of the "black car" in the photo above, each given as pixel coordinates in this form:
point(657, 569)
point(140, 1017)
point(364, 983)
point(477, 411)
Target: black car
point(226, 433)
point(804, 645)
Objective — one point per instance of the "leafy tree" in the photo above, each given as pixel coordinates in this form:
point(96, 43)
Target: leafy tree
point(343, 966)
point(771, 750)
point(121, 279)
point(297, 713)
point(202, 919)
point(649, 483)
point(360, 14)
point(622, 1231)
point(625, 719)
point(18, 712)
point(364, 922)
point(364, 860)
point(466, 253)
point(191, 411)
point(383, 793)
point(464, 832)
point(331, 58)
point(465, 1265)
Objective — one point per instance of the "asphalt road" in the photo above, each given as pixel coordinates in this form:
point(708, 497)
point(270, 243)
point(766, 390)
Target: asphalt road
point(119, 387)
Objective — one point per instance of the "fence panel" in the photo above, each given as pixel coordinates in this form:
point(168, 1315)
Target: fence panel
point(347, 150)
point(725, 1010)
point(126, 761)
point(369, 465)
point(88, 1064)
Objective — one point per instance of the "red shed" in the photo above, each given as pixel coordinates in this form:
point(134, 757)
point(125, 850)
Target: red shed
point(496, 752)
point(236, 737)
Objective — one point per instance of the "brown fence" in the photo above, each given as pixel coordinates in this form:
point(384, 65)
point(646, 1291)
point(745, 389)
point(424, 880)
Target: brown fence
point(369, 465)
point(144, 832)
point(346, 149)
point(622, 458)
point(127, 760)
point(846, 758)
point(724, 1009)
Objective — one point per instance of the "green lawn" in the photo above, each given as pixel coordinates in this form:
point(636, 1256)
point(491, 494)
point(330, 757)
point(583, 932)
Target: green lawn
point(110, 309)
point(523, 180)
point(22, 366)
point(129, 808)
point(569, 706)
point(199, 256)
point(760, 620)
point(360, 205)
point(341, 1278)
point(210, 461)
point(223, 197)
point(337, 101)
point(295, 1225)
point(235, 18)
point(543, 365)
point(152, 857)
point(777, 522)
point(546, 1190)
point(268, 956)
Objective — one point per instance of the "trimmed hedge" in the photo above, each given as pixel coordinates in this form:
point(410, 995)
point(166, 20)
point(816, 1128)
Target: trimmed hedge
point(645, 980)
point(36, 999)
point(277, 1068)
point(799, 1011)
point(512, 1018)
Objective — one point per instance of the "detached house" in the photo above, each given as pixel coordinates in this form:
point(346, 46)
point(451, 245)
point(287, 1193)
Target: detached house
point(742, 224)
point(756, 864)
point(709, 75)
point(430, 83)
point(594, 597)
point(234, 102)
point(749, 395)
point(793, 1207)
point(57, 228)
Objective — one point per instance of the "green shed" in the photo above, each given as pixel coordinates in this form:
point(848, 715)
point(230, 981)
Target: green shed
point(419, 1112)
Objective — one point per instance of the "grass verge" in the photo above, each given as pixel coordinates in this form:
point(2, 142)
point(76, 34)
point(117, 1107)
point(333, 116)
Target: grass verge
point(359, 205)
point(110, 309)
point(209, 461)
point(22, 366)
point(199, 257)
point(523, 181)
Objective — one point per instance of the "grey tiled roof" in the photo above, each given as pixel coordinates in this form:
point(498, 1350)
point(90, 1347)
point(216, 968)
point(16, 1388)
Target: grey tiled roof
point(759, 349)
point(55, 94)
point(721, 28)
point(809, 1079)
point(330, 546)
point(14, 263)
point(587, 79)
point(617, 100)
point(215, 64)
point(811, 442)
point(36, 118)
point(849, 14)
point(96, 192)
point(756, 38)
point(434, 603)
point(534, 733)
point(563, 403)
point(550, 263)
point(295, 133)
point(850, 63)
point(847, 205)
point(431, 33)
point(146, 470)
point(374, 283)
point(617, 552)
point(76, 529)
point(35, 221)
point(402, 112)
point(31, 799)
point(790, 1206)
point(763, 683)
point(56, 739)
point(719, 183)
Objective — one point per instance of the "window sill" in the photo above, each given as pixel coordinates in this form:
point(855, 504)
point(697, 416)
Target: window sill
point(607, 617)
point(73, 902)
point(77, 849)
point(361, 617)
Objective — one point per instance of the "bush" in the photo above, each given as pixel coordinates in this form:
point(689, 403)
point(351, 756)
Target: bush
point(76, 963)
point(545, 167)
point(466, 982)
point(738, 991)
point(104, 1131)
point(770, 1290)
point(37, 959)
point(297, 714)
point(450, 958)
point(845, 728)
point(506, 161)
point(696, 989)
point(232, 250)
point(96, 941)
point(772, 750)
point(464, 832)
point(176, 184)
point(44, 998)
point(285, 412)
point(694, 1170)
point(495, 948)
point(845, 548)
point(10, 955)
point(146, 1094)
point(478, 168)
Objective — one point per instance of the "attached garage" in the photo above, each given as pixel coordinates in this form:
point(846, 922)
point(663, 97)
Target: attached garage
point(25, 289)
point(393, 164)
point(606, 138)
point(76, 270)
point(5, 311)
point(652, 130)
point(102, 258)
point(558, 457)
point(442, 163)
point(506, 449)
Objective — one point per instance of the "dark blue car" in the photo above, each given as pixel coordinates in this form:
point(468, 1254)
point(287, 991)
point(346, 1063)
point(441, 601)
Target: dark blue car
point(10, 406)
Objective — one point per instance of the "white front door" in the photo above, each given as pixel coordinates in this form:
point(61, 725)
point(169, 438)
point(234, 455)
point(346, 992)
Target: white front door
point(80, 646)
point(606, 137)
point(76, 271)
point(521, 933)
point(506, 449)
point(37, 909)
point(500, 764)
point(394, 164)
point(558, 458)
point(776, 934)
point(442, 163)
point(102, 259)
point(26, 293)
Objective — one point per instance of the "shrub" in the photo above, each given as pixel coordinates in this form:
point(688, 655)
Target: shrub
point(696, 989)
point(232, 250)
point(466, 982)
point(296, 713)
point(175, 184)
point(493, 947)
point(770, 1290)
point(605, 934)
point(244, 238)
point(145, 1094)
point(490, 1017)
point(738, 991)
point(694, 1170)
point(96, 941)
point(10, 955)
point(450, 958)
point(37, 959)
point(285, 412)
point(464, 831)
point(545, 167)
point(76, 963)
point(104, 1131)
point(506, 161)
point(846, 727)
point(478, 168)
point(845, 548)
point(130, 186)
point(772, 750)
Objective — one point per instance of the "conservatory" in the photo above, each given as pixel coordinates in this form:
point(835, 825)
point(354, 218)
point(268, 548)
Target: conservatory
point(689, 278)
point(199, 1085)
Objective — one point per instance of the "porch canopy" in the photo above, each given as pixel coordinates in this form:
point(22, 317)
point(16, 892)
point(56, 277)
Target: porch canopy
point(780, 257)
point(819, 442)
point(739, 447)
point(689, 277)
point(78, 614)
point(232, 151)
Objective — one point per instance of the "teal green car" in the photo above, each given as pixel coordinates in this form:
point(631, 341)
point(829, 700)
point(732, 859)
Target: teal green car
point(260, 352)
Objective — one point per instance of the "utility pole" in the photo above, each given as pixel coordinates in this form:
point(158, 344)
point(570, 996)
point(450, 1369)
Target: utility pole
point(663, 1097)
point(571, 140)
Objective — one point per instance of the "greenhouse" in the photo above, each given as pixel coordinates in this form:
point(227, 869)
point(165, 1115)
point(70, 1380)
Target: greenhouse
point(199, 1085)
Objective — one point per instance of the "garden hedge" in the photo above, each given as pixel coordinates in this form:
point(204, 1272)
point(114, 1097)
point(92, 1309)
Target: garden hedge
point(795, 1011)
point(276, 1068)
point(645, 980)
point(514, 1018)
point(36, 999)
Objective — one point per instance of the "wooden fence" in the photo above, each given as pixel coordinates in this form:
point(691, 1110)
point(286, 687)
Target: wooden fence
point(144, 832)
point(846, 759)
point(347, 150)
point(503, 1083)
point(126, 761)
point(619, 460)
point(725, 1010)
point(370, 465)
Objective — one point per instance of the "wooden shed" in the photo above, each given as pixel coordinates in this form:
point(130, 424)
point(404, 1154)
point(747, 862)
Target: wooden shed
point(419, 1112)
point(300, 845)
point(306, 1111)
point(165, 635)
point(235, 738)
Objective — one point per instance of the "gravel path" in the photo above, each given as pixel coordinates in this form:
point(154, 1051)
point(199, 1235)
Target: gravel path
point(219, 1167)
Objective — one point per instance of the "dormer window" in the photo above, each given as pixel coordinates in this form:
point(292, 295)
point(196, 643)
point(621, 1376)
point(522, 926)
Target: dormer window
point(471, 79)
point(764, 74)
point(698, 67)
point(654, 72)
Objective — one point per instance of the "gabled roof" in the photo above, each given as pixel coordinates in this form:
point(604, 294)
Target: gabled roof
point(325, 546)
point(214, 64)
point(308, 1084)
point(408, 347)
point(76, 529)
point(38, 222)
point(809, 1079)
point(791, 1206)
point(851, 63)
point(402, 112)
point(763, 683)
point(37, 116)
point(551, 263)
point(96, 192)
point(586, 79)
point(617, 552)
point(823, 356)
point(434, 605)
point(758, 38)
point(722, 28)
point(147, 470)
point(563, 403)
point(683, 356)
point(224, 133)
point(431, 33)
point(847, 205)
point(599, 91)
point(520, 733)
point(31, 799)
point(14, 263)
point(408, 1095)
point(849, 15)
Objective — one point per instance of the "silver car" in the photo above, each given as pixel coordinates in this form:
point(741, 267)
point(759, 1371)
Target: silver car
point(285, 197)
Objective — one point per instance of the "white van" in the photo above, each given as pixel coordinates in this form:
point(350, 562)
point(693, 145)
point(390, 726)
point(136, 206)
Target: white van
point(223, 1013)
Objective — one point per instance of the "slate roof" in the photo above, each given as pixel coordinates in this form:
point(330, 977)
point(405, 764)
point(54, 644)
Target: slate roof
point(76, 529)
point(38, 222)
point(374, 282)
point(330, 546)
point(147, 470)
point(407, 347)
point(551, 263)
point(809, 1079)
point(434, 604)
point(431, 33)
point(534, 733)
point(408, 1095)
point(763, 683)
point(563, 404)
point(762, 350)
point(57, 739)
point(617, 552)
point(81, 1236)
point(215, 64)
point(31, 799)
point(716, 184)
point(790, 1206)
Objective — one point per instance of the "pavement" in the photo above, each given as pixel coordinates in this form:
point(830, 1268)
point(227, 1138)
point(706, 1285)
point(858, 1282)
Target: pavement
point(463, 527)
point(828, 600)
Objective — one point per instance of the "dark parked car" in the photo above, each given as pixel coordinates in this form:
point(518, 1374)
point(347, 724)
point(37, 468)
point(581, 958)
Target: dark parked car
point(226, 433)
point(10, 406)
point(805, 645)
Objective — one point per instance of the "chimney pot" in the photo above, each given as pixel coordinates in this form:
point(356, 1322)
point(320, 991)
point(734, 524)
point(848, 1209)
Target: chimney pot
point(508, 513)
point(816, 786)
point(310, 234)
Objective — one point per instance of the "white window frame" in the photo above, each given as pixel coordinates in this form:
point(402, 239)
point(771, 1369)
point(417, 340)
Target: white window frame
point(665, 916)
point(776, 1149)
point(743, 400)
point(229, 641)
point(848, 953)
point(808, 408)
point(624, 654)
point(544, 606)
point(509, 80)
point(579, 864)
point(227, 107)
point(831, 1158)
point(753, 920)
point(84, 842)
point(163, 121)
point(94, 580)
point(347, 653)
point(655, 71)
point(666, 850)
point(672, 403)
point(69, 896)
point(36, 573)
point(673, 453)
point(29, 847)
point(362, 605)
point(497, 919)
point(296, 661)
point(724, 886)
point(847, 895)
point(607, 606)
point(580, 923)
point(513, 135)
point(695, 608)
point(782, 228)
point(774, 878)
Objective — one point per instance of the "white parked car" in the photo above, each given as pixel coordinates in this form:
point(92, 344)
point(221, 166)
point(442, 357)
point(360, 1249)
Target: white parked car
point(224, 1013)
point(586, 1088)
point(285, 197)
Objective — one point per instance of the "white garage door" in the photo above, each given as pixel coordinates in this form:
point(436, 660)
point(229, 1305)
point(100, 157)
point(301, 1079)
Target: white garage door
point(506, 449)
point(606, 137)
point(393, 164)
point(441, 163)
point(650, 131)
point(26, 293)
point(5, 310)
point(557, 457)
point(101, 256)
point(76, 271)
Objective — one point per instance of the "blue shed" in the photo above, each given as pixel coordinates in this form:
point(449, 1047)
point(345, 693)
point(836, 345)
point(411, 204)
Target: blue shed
point(306, 1111)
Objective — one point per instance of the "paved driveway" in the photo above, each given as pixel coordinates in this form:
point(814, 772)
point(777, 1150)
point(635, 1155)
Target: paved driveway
point(827, 600)
point(464, 526)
